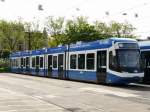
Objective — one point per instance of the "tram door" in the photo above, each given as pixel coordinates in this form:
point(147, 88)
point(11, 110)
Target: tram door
point(60, 66)
point(37, 69)
point(147, 69)
point(101, 66)
point(27, 64)
point(21, 70)
point(49, 65)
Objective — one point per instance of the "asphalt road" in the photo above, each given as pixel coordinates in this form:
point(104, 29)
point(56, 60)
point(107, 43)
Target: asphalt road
point(22, 93)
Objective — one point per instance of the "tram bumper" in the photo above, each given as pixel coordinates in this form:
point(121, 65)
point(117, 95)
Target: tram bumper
point(114, 79)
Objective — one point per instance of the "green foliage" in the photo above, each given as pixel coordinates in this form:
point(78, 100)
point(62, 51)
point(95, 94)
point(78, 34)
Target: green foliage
point(122, 29)
point(11, 34)
point(4, 53)
point(38, 39)
point(4, 69)
point(45, 37)
point(51, 42)
point(80, 30)
point(103, 29)
point(16, 36)
point(4, 64)
point(55, 27)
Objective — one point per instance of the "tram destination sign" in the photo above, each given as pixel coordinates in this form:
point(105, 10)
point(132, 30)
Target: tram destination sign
point(128, 45)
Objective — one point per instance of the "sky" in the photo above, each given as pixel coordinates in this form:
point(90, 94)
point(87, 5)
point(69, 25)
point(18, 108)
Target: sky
point(93, 9)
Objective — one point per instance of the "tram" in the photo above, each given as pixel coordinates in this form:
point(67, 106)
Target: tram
point(114, 61)
point(145, 54)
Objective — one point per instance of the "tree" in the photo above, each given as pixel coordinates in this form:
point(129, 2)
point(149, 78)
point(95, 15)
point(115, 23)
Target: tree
point(122, 29)
point(37, 38)
point(12, 33)
point(45, 37)
point(103, 29)
point(55, 27)
point(80, 30)
point(52, 42)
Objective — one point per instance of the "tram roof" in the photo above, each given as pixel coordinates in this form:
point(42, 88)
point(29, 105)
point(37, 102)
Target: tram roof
point(21, 53)
point(59, 49)
point(79, 46)
point(144, 44)
point(15, 54)
point(25, 53)
point(99, 44)
point(38, 52)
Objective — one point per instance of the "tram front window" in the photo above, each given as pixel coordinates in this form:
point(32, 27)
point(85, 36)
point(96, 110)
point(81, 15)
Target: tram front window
point(126, 61)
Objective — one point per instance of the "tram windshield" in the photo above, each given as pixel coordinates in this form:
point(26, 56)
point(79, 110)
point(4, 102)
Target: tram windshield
point(126, 60)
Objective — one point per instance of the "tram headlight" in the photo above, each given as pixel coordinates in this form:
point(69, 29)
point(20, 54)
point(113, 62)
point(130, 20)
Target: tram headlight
point(114, 49)
point(114, 52)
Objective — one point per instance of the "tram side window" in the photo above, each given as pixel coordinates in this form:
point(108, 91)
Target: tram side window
point(103, 59)
point(33, 62)
point(143, 60)
point(49, 60)
point(24, 62)
point(41, 62)
point(14, 62)
point(37, 61)
point(81, 61)
point(112, 61)
point(54, 61)
point(21, 61)
point(11, 62)
point(27, 61)
point(18, 62)
point(73, 63)
point(90, 60)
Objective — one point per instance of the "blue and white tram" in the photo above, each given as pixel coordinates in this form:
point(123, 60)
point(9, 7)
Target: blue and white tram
point(55, 62)
point(37, 63)
point(114, 60)
point(24, 62)
point(15, 62)
point(145, 54)
point(20, 62)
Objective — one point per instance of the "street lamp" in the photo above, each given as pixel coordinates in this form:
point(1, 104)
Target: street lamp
point(28, 35)
point(29, 41)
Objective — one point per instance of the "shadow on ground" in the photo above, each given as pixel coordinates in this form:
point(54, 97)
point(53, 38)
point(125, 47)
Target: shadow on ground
point(137, 87)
